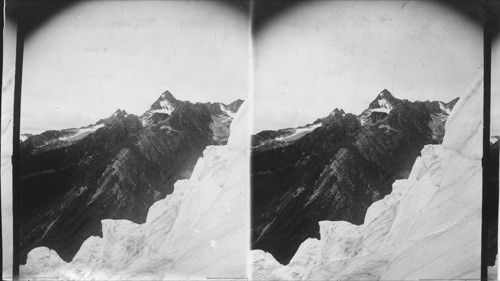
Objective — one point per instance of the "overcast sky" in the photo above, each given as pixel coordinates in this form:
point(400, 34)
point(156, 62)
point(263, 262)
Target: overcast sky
point(326, 54)
point(96, 57)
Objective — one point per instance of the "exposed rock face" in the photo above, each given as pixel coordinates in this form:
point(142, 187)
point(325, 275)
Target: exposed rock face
point(428, 227)
point(114, 169)
point(334, 169)
point(194, 233)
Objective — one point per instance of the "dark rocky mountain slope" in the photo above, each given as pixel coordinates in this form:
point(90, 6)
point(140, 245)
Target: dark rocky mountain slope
point(335, 168)
point(114, 169)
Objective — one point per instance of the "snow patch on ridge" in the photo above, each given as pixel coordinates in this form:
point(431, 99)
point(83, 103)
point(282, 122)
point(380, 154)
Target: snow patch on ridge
point(299, 132)
point(82, 132)
point(382, 109)
point(167, 108)
point(383, 103)
point(444, 108)
point(162, 111)
point(23, 137)
point(228, 112)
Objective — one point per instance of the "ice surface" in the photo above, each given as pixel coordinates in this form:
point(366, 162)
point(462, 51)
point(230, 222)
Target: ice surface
point(6, 193)
point(199, 231)
point(429, 227)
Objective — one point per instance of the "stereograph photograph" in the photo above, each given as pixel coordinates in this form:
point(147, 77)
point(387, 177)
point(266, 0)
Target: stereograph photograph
point(250, 140)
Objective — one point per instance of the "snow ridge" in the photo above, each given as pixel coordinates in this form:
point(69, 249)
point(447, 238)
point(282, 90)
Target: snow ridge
point(299, 132)
point(82, 132)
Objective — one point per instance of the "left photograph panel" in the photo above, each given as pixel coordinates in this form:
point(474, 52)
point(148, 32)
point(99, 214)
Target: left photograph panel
point(133, 148)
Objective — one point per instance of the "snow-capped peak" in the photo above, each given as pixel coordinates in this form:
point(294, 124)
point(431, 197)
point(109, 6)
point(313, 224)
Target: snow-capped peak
point(165, 104)
point(167, 96)
point(385, 101)
point(386, 94)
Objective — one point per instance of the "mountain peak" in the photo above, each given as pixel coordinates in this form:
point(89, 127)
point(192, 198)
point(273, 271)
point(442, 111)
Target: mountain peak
point(235, 105)
point(386, 94)
point(167, 96)
point(383, 100)
point(337, 111)
point(452, 102)
point(166, 101)
point(119, 112)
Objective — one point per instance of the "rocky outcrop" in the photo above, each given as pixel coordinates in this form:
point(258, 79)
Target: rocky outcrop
point(114, 169)
point(333, 169)
point(428, 227)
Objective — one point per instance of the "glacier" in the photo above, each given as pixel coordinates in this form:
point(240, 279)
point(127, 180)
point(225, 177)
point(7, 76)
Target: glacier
point(199, 231)
point(428, 227)
point(7, 125)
